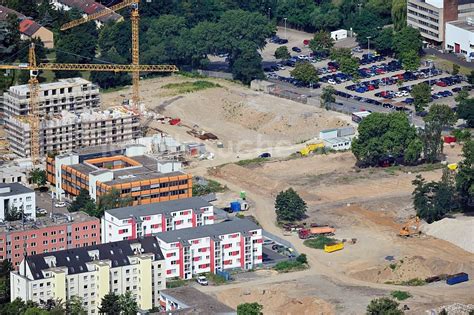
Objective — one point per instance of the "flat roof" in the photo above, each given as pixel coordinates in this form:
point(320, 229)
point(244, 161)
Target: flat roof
point(47, 221)
point(463, 24)
point(61, 83)
point(75, 260)
point(213, 230)
point(338, 140)
point(197, 301)
point(164, 207)
point(15, 189)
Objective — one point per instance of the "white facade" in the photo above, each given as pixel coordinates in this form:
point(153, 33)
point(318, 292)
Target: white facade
point(142, 274)
point(226, 245)
point(338, 144)
point(339, 34)
point(18, 197)
point(460, 38)
point(132, 222)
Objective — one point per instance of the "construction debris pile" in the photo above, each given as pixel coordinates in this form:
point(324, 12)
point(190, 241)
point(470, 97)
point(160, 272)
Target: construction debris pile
point(453, 309)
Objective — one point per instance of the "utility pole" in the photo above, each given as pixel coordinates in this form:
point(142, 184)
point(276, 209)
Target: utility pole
point(286, 36)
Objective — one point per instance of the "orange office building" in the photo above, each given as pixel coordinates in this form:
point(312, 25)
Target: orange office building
point(135, 175)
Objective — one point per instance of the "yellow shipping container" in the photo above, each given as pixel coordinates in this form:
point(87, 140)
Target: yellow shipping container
point(333, 247)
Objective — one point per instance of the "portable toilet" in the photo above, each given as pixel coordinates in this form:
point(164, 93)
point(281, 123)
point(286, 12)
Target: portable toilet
point(235, 206)
point(243, 195)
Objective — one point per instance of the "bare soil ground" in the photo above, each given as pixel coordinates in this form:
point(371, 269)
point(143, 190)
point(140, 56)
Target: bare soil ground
point(241, 118)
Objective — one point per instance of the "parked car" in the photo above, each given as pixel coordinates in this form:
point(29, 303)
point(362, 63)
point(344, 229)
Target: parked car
point(202, 280)
point(268, 242)
point(296, 49)
point(41, 211)
point(332, 81)
point(60, 204)
point(265, 155)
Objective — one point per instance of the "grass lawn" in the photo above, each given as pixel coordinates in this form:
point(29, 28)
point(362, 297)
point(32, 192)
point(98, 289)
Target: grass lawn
point(319, 242)
point(189, 87)
point(446, 64)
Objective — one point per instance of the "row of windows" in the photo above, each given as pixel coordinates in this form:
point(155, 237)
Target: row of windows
point(154, 186)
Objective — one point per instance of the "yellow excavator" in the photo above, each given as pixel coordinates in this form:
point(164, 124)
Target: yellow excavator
point(411, 228)
point(310, 148)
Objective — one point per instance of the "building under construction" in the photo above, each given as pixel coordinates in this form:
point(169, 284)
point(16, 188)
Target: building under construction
point(74, 95)
point(66, 131)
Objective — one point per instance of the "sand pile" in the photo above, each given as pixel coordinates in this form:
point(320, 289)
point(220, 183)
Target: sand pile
point(276, 301)
point(409, 268)
point(454, 309)
point(459, 231)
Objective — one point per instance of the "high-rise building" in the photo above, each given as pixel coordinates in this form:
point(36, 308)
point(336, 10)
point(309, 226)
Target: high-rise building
point(135, 266)
point(47, 234)
point(227, 245)
point(137, 177)
point(430, 16)
point(137, 221)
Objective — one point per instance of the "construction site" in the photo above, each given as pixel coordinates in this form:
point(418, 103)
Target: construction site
point(253, 142)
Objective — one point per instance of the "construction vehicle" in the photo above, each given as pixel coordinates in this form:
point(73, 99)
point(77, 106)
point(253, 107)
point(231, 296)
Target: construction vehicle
point(34, 68)
point(310, 148)
point(135, 18)
point(316, 231)
point(411, 228)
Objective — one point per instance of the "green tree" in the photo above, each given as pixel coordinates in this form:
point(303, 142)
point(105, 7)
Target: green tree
point(83, 202)
point(249, 309)
point(466, 111)
point(338, 54)
point(399, 14)
point(108, 80)
point(247, 64)
point(110, 304)
point(407, 39)
point(456, 68)
point(297, 12)
point(128, 304)
point(410, 60)
point(413, 152)
point(282, 53)
point(302, 259)
point(38, 177)
point(384, 135)
point(326, 17)
point(327, 96)
point(383, 306)
point(5, 268)
point(433, 200)
point(367, 24)
point(321, 42)
point(470, 77)
point(13, 214)
point(111, 200)
point(461, 96)
point(421, 94)
point(9, 38)
point(350, 66)
point(74, 306)
point(77, 45)
point(305, 72)
point(289, 206)
point(383, 42)
point(465, 177)
point(439, 118)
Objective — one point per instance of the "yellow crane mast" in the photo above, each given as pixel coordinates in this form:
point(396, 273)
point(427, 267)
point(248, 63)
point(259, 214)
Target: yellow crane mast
point(34, 68)
point(135, 18)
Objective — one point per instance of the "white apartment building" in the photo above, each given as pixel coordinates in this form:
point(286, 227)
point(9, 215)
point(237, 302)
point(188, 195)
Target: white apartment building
point(67, 131)
point(430, 17)
point(74, 95)
point(18, 197)
point(460, 37)
point(208, 248)
point(92, 272)
point(144, 220)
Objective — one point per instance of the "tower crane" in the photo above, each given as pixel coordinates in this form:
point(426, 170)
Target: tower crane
point(34, 68)
point(135, 18)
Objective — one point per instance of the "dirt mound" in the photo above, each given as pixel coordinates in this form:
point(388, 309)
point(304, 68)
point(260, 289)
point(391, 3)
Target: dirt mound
point(409, 268)
point(276, 301)
point(458, 231)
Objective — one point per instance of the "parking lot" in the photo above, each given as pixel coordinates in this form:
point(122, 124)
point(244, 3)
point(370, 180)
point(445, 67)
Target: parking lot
point(274, 252)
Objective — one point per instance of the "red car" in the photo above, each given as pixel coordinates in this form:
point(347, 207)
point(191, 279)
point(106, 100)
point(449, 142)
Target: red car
point(441, 83)
point(371, 87)
point(380, 71)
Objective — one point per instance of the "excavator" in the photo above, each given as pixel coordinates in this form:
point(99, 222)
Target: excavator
point(411, 228)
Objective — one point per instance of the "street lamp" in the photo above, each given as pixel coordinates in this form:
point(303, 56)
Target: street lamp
point(269, 13)
point(368, 44)
point(286, 37)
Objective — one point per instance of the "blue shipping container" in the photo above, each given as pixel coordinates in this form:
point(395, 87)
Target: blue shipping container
point(235, 206)
point(457, 278)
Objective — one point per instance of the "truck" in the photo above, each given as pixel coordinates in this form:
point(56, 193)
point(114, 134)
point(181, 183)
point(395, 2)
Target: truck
point(457, 278)
point(316, 231)
point(311, 147)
